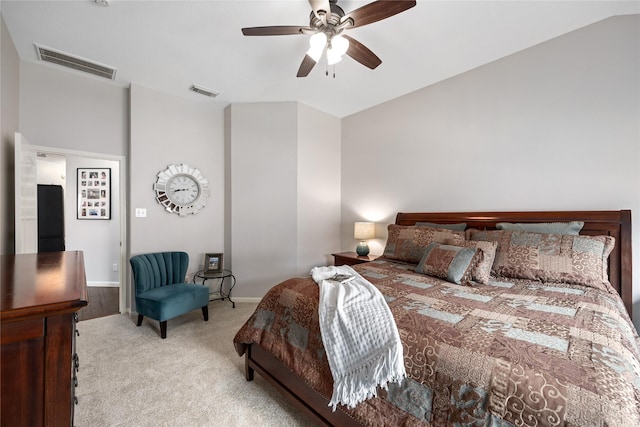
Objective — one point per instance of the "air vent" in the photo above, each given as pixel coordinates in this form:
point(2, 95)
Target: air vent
point(204, 91)
point(81, 64)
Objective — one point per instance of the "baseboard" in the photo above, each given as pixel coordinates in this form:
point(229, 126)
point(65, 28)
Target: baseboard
point(246, 299)
point(103, 284)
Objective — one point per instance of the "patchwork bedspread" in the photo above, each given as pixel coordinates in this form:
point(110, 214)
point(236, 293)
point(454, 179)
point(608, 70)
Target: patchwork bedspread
point(510, 353)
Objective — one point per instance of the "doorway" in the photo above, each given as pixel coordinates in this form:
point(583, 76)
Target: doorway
point(103, 241)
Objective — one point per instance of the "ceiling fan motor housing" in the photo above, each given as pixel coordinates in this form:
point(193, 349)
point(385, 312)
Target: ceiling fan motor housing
point(333, 19)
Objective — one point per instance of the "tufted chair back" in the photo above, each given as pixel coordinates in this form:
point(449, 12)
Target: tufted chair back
point(158, 269)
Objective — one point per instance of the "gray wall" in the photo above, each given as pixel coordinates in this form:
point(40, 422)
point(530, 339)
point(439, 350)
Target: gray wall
point(167, 130)
point(263, 219)
point(554, 127)
point(284, 185)
point(319, 164)
point(9, 124)
point(72, 111)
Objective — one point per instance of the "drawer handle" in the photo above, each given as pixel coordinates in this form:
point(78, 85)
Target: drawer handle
point(77, 332)
point(75, 400)
point(75, 381)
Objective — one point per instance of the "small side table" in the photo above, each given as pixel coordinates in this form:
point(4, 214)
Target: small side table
point(351, 258)
point(221, 276)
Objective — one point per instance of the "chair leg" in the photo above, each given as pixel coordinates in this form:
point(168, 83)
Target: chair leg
point(140, 317)
point(163, 329)
point(205, 313)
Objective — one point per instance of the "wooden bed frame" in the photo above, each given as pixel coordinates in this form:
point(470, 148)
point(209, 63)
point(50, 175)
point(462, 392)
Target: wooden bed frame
point(612, 223)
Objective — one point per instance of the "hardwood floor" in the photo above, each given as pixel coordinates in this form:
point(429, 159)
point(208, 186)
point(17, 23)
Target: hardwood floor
point(103, 301)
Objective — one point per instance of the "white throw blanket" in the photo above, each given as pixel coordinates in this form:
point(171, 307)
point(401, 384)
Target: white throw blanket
point(359, 335)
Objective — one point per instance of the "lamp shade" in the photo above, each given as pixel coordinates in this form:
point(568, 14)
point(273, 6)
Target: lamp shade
point(364, 230)
point(338, 47)
point(317, 43)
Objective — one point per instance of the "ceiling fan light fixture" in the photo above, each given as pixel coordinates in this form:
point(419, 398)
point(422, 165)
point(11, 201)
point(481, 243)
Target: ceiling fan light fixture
point(339, 46)
point(317, 42)
point(333, 57)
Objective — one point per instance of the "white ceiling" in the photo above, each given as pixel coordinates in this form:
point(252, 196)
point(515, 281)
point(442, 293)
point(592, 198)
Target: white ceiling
point(169, 45)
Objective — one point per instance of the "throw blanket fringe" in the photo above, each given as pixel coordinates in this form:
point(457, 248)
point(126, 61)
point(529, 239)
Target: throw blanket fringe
point(359, 335)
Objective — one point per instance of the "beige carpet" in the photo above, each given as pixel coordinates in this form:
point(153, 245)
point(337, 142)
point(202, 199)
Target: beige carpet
point(130, 377)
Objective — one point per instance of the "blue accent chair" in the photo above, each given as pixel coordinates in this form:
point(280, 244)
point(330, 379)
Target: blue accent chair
point(161, 292)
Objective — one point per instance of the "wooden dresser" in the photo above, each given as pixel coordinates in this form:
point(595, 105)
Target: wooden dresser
point(41, 295)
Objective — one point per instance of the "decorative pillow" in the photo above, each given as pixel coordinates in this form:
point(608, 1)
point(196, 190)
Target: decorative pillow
point(459, 226)
point(573, 228)
point(451, 263)
point(486, 256)
point(408, 242)
point(564, 258)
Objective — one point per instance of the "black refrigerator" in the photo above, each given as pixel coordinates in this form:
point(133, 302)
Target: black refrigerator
point(50, 218)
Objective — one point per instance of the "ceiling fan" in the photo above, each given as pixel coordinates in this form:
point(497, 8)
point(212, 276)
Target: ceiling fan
point(326, 26)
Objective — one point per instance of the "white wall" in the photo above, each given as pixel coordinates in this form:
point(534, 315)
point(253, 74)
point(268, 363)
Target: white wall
point(164, 130)
point(554, 127)
point(9, 124)
point(51, 170)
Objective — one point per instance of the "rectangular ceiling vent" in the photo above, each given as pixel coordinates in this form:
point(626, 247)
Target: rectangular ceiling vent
point(71, 61)
point(204, 91)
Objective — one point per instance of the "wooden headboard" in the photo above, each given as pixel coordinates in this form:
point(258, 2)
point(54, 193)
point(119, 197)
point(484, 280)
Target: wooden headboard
point(609, 223)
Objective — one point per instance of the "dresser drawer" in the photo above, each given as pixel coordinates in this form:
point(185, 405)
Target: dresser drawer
point(21, 330)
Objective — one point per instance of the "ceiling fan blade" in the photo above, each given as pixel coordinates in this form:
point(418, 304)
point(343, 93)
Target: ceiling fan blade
point(278, 30)
point(361, 53)
point(377, 11)
point(317, 6)
point(307, 65)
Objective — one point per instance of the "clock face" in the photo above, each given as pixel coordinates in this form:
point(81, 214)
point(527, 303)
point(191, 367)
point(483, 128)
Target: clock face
point(181, 189)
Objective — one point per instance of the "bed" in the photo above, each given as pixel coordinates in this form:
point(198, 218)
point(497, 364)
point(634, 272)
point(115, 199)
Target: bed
point(524, 350)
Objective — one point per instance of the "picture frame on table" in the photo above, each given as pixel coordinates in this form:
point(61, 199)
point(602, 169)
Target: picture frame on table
point(93, 193)
point(213, 263)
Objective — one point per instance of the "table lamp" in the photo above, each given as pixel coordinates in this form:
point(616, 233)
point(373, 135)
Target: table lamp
point(363, 231)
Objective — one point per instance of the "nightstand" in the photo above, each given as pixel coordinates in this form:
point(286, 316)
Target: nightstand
point(351, 258)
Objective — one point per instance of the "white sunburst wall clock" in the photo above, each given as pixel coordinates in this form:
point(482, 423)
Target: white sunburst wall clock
point(181, 189)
